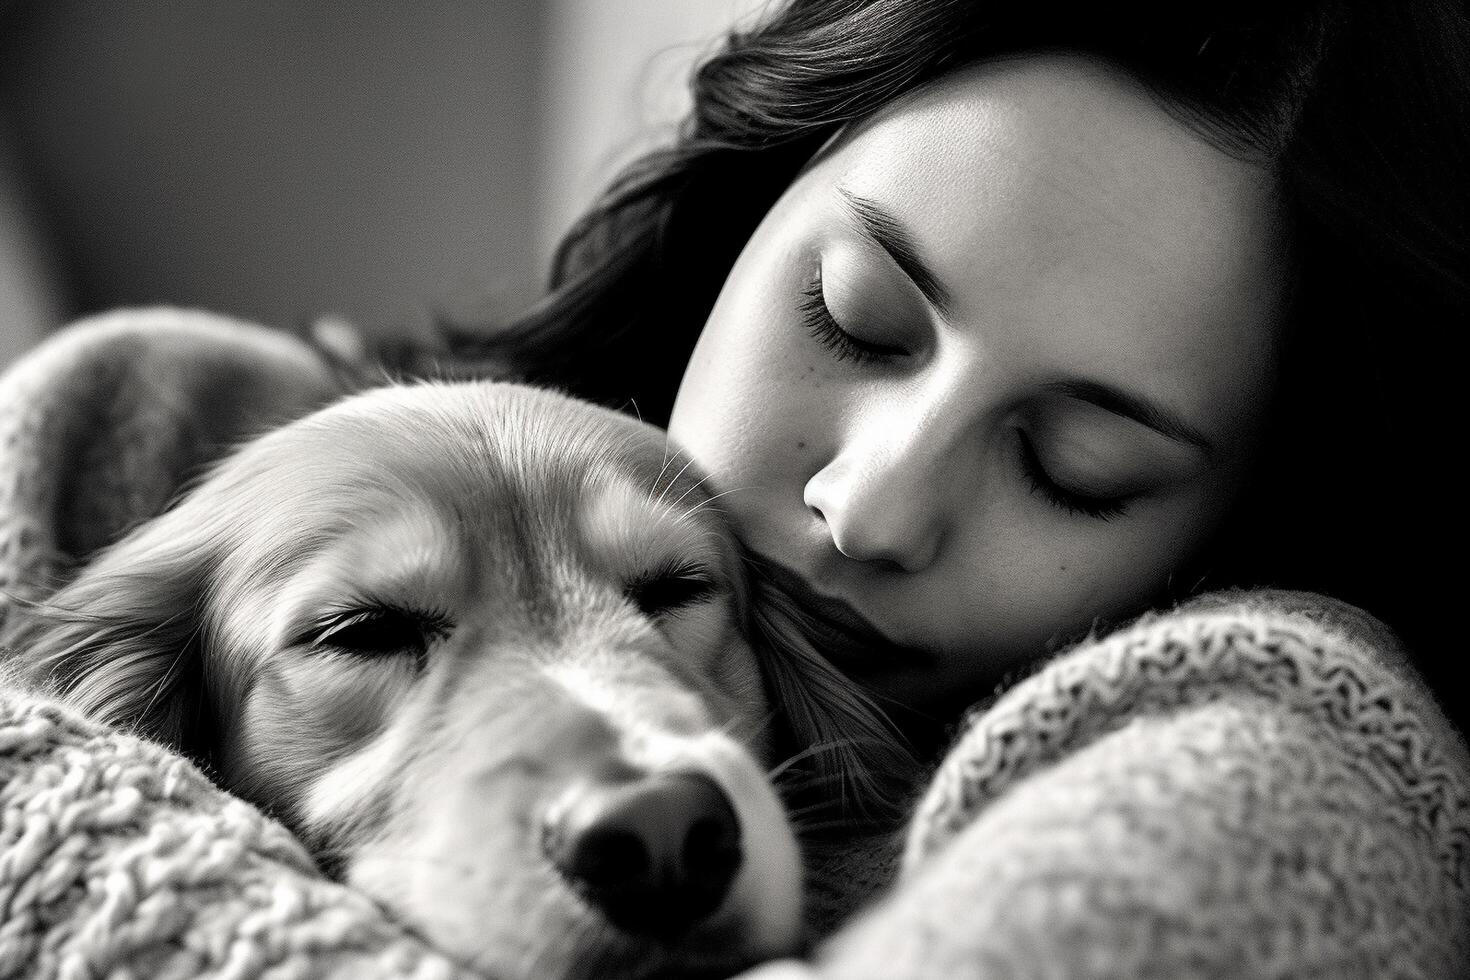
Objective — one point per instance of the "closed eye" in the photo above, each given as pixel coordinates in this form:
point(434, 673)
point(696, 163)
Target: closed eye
point(826, 331)
point(380, 631)
point(1073, 501)
point(667, 589)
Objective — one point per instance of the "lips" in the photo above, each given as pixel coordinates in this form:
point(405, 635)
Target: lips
point(837, 630)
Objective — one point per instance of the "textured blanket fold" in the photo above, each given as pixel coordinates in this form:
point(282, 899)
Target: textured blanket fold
point(1255, 785)
point(120, 859)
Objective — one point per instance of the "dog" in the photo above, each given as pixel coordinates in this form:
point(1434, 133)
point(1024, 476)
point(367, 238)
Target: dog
point(480, 646)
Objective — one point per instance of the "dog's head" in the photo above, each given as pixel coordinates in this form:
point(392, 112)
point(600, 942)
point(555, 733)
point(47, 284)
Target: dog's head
point(481, 646)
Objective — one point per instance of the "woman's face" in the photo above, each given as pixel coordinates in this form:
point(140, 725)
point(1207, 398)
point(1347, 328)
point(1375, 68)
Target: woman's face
point(993, 367)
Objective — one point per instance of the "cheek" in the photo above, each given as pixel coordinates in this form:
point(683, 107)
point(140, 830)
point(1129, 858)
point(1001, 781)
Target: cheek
point(1033, 581)
point(299, 710)
point(752, 389)
point(754, 436)
point(1102, 578)
point(743, 411)
point(346, 698)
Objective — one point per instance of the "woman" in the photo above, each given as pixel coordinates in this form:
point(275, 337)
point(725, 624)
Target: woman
point(1296, 195)
point(1019, 322)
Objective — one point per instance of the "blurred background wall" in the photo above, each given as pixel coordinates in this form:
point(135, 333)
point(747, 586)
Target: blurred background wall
point(282, 160)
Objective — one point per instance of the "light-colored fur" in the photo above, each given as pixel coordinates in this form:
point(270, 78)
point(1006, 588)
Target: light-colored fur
point(514, 524)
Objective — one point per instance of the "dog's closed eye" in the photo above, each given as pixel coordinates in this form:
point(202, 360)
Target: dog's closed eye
point(672, 587)
point(379, 631)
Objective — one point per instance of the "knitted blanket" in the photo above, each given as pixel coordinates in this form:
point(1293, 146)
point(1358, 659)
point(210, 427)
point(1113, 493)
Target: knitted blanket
point(1255, 785)
point(120, 859)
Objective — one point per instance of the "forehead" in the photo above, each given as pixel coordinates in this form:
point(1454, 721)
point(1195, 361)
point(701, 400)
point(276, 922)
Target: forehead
point(440, 490)
point(1079, 223)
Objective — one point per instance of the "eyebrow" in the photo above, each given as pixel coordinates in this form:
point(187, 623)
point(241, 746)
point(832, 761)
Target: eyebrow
point(889, 234)
point(1142, 410)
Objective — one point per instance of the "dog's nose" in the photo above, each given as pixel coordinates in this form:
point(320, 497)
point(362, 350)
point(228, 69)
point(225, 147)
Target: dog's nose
point(656, 854)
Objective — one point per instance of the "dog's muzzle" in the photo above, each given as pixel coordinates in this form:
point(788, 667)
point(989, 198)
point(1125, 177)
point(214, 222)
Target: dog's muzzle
point(656, 854)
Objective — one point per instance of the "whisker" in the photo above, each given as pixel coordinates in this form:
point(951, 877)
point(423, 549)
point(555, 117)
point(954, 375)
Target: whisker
point(819, 827)
point(664, 468)
point(690, 489)
point(674, 482)
point(711, 499)
point(806, 753)
point(171, 673)
point(832, 745)
point(810, 780)
point(796, 814)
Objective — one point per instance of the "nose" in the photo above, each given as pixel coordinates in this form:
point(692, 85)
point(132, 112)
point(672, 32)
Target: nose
point(656, 854)
point(882, 500)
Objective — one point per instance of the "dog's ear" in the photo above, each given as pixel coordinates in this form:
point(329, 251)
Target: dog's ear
point(103, 424)
point(122, 642)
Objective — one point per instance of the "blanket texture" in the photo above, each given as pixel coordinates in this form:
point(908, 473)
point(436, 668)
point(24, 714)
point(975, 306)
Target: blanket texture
point(1254, 785)
point(120, 859)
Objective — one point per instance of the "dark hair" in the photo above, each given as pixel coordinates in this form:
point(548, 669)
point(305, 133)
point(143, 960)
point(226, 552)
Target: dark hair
point(1361, 106)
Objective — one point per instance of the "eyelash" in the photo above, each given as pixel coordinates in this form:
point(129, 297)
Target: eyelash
point(1099, 508)
point(825, 330)
point(432, 624)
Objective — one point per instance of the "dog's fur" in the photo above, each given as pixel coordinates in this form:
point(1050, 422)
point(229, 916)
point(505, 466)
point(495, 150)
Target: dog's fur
point(548, 598)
